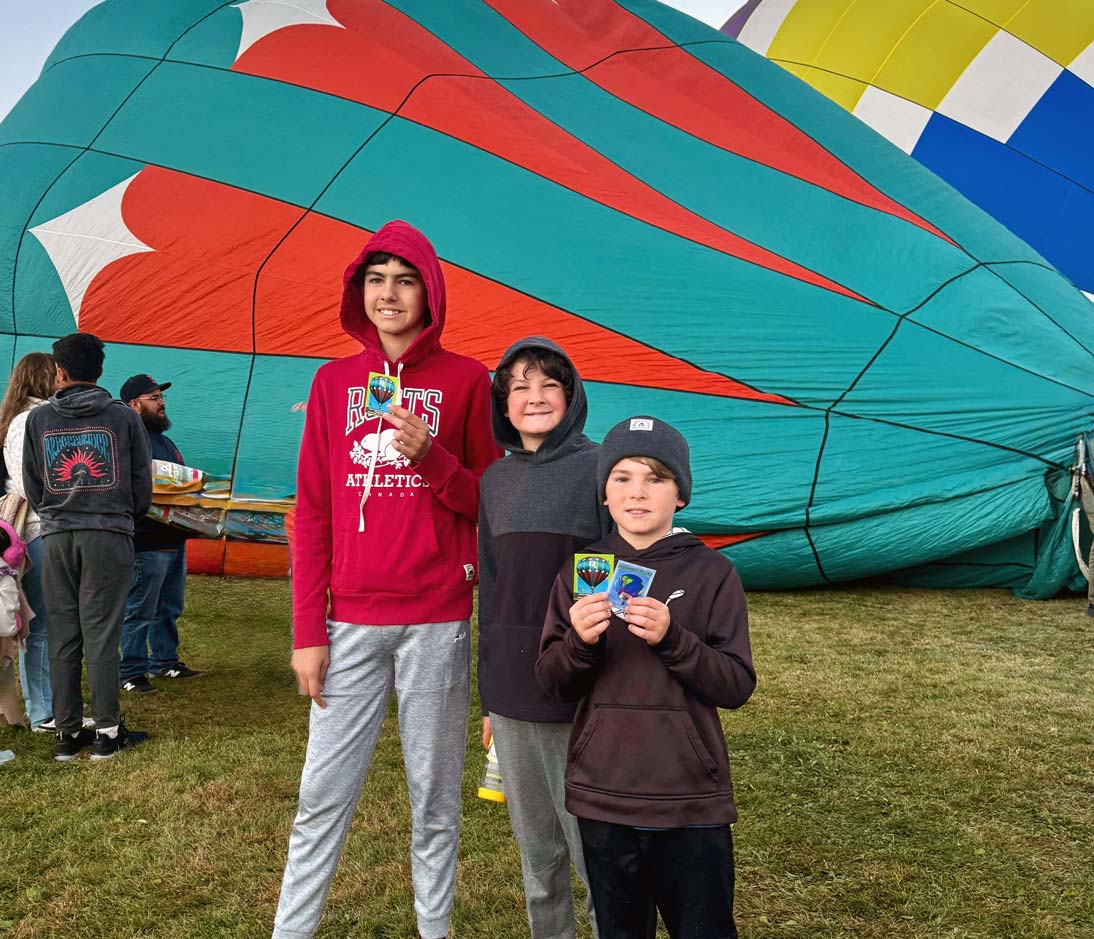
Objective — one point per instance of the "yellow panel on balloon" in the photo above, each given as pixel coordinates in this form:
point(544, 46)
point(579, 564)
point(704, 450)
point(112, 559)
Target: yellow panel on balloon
point(934, 52)
point(1061, 29)
point(995, 11)
point(819, 33)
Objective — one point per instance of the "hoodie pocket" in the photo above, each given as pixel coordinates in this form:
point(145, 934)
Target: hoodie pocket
point(398, 553)
point(642, 751)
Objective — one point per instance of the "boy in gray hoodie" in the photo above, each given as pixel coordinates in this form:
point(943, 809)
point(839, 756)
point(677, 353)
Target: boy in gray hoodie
point(87, 473)
point(538, 506)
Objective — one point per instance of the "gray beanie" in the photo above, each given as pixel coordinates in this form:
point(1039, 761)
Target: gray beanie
point(646, 436)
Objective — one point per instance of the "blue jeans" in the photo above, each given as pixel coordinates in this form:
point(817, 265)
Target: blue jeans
point(34, 661)
point(150, 633)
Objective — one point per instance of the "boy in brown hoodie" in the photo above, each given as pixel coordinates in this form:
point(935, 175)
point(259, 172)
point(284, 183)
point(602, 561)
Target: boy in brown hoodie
point(647, 770)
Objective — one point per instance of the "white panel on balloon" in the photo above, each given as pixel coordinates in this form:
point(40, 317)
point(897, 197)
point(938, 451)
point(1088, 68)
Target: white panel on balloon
point(898, 119)
point(759, 30)
point(1083, 65)
point(1000, 87)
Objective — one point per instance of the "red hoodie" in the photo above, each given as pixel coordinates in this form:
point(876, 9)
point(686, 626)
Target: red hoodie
point(414, 562)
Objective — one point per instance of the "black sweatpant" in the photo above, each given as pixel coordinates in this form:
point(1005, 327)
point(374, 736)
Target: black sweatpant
point(685, 873)
point(85, 582)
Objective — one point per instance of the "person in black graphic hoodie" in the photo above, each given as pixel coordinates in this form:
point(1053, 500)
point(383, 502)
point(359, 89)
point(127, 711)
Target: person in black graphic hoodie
point(87, 473)
point(647, 772)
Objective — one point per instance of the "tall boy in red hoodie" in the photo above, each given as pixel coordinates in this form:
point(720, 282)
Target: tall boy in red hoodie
point(383, 570)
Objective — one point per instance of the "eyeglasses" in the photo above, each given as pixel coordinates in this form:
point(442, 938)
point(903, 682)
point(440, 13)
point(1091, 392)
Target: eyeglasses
point(158, 396)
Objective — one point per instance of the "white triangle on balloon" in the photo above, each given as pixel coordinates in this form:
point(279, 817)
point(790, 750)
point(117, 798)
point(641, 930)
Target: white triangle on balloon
point(262, 17)
point(86, 239)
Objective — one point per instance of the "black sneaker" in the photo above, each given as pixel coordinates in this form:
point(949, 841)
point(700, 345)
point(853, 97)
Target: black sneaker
point(178, 670)
point(140, 683)
point(105, 747)
point(68, 745)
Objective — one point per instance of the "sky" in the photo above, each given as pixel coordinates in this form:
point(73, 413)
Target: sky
point(29, 29)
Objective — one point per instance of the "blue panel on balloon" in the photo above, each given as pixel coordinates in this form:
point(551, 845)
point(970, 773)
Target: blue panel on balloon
point(1059, 131)
point(1052, 214)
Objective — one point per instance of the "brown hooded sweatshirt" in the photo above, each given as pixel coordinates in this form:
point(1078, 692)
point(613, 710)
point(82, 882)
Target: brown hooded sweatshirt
point(647, 747)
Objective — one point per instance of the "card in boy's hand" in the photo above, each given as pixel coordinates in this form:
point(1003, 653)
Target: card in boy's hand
point(628, 581)
point(592, 573)
point(383, 392)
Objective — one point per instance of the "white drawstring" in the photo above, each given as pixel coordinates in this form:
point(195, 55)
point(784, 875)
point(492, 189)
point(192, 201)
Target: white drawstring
point(376, 449)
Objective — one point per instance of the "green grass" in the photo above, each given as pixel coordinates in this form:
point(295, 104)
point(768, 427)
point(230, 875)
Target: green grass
point(913, 764)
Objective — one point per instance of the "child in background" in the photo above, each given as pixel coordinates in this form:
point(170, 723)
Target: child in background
point(14, 621)
point(647, 773)
point(538, 506)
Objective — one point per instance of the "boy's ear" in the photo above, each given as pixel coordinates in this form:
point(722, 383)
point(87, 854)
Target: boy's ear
point(679, 503)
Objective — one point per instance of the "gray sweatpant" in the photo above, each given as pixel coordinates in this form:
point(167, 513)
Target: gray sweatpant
point(532, 760)
point(85, 582)
point(429, 667)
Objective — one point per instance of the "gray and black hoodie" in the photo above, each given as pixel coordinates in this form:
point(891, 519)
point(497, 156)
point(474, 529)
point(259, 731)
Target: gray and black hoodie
point(536, 509)
point(86, 462)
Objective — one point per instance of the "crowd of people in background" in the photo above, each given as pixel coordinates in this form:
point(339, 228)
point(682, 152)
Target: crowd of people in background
point(96, 584)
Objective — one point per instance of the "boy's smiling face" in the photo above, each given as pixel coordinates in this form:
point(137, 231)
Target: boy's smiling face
point(641, 502)
point(535, 403)
point(394, 298)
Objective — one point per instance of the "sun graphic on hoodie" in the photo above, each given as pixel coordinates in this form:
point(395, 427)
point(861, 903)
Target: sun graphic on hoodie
point(80, 464)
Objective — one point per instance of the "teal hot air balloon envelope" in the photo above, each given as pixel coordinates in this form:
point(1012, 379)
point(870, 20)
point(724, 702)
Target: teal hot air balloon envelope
point(874, 377)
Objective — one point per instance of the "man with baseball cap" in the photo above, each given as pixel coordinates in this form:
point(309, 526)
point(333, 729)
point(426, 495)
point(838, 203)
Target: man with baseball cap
point(150, 636)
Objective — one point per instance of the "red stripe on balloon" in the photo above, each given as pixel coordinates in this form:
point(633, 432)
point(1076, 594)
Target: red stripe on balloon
point(470, 107)
point(724, 541)
point(194, 290)
point(677, 88)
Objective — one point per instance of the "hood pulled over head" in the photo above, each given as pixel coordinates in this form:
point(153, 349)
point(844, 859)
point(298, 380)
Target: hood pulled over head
point(568, 434)
point(398, 238)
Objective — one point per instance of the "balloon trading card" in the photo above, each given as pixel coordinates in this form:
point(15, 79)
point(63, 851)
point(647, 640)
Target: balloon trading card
point(383, 392)
point(628, 581)
point(592, 573)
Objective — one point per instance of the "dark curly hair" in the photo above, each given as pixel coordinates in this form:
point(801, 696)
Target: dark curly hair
point(546, 360)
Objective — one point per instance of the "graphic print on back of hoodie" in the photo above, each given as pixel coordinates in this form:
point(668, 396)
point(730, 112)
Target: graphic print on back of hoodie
point(86, 459)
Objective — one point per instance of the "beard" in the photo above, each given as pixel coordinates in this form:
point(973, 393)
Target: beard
point(156, 423)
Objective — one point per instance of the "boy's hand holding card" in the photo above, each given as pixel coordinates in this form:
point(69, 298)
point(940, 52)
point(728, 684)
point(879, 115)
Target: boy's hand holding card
point(412, 439)
point(648, 619)
point(590, 616)
point(628, 581)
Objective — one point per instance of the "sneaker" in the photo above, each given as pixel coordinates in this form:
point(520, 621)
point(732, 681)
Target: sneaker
point(178, 670)
point(140, 683)
point(68, 745)
point(105, 747)
point(1090, 609)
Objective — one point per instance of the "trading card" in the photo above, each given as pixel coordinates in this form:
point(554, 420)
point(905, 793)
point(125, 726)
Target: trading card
point(628, 581)
point(383, 392)
point(592, 573)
